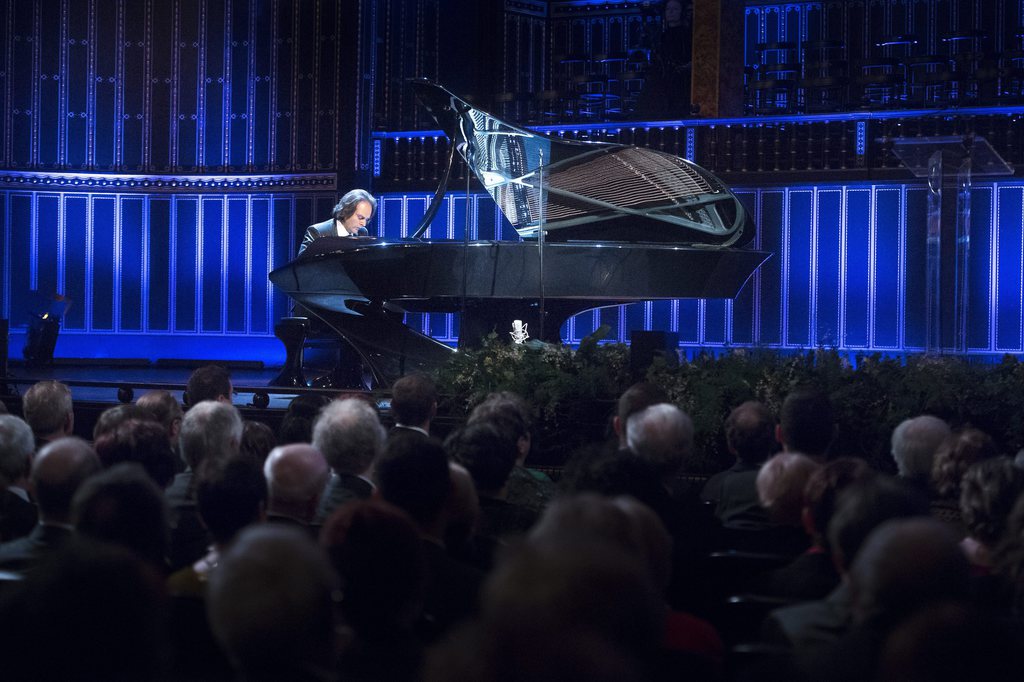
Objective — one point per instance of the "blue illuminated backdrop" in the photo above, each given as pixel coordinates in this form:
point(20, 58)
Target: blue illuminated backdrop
point(160, 156)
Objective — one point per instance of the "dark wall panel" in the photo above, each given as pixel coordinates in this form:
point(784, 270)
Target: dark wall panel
point(131, 282)
point(158, 264)
point(76, 259)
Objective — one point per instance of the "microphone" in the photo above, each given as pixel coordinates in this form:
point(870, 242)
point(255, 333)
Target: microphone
point(362, 232)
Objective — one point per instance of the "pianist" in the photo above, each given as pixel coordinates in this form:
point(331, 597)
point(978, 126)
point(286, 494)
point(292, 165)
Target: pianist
point(348, 219)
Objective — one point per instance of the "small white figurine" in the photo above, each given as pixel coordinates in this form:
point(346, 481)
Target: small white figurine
point(519, 333)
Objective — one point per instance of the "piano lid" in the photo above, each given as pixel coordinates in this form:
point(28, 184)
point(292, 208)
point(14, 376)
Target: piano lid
point(588, 190)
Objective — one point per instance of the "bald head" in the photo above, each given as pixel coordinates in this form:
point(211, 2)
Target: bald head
point(296, 476)
point(57, 472)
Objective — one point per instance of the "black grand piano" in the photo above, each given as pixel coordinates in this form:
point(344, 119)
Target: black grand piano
point(600, 224)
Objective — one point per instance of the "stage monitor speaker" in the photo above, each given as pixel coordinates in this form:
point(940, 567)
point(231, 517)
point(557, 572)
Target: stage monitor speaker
point(645, 346)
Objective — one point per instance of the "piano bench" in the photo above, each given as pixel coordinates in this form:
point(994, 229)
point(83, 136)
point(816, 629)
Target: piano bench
point(293, 332)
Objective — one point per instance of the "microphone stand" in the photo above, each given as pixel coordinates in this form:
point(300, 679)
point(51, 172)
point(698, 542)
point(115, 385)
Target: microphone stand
point(540, 240)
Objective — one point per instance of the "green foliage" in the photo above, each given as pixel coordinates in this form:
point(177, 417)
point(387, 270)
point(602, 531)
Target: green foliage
point(574, 392)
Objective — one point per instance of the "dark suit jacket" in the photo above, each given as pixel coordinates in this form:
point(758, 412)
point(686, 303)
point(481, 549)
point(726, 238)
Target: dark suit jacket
point(22, 553)
point(17, 517)
point(314, 232)
point(189, 537)
point(811, 626)
point(812, 575)
point(342, 488)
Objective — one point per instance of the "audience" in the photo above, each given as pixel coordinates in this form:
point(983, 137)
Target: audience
point(375, 549)
point(988, 491)
point(230, 495)
point(271, 604)
point(750, 437)
point(297, 475)
point(813, 574)
point(350, 436)
point(141, 441)
point(122, 506)
point(807, 423)
point(48, 409)
point(58, 470)
point(112, 417)
point(258, 440)
point(163, 408)
point(456, 562)
point(510, 414)
point(210, 431)
point(297, 422)
point(18, 514)
point(905, 565)
point(413, 474)
point(414, 402)
point(811, 626)
point(211, 382)
point(951, 641)
point(955, 455)
point(914, 443)
point(489, 455)
point(88, 611)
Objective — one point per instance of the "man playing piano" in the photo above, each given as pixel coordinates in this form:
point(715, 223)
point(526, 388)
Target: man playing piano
point(348, 219)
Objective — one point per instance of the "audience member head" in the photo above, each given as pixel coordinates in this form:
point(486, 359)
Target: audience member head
point(230, 495)
point(914, 443)
point(863, 506)
point(48, 410)
point(620, 521)
point(112, 417)
point(142, 441)
point(822, 492)
point(210, 430)
point(414, 400)
point(16, 448)
point(164, 408)
point(297, 423)
point(750, 432)
point(906, 564)
point(413, 475)
point(955, 455)
point(571, 590)
point(780, 486)
point(487, 452)
point(296, 477)
point(807, 423)
point(637, 397)
point(988, 491)
point(123, 506)
point(614, 473)
point(950, 641)
point(270, 604)
point(210, 382)
point(375, 548)
point(662, 436)
point(90, 610)
point(349, 435)
point(257, 440)
point(509, 413)
point(59, 469)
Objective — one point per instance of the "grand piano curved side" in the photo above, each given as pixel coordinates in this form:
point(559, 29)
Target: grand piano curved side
point(620, 224)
